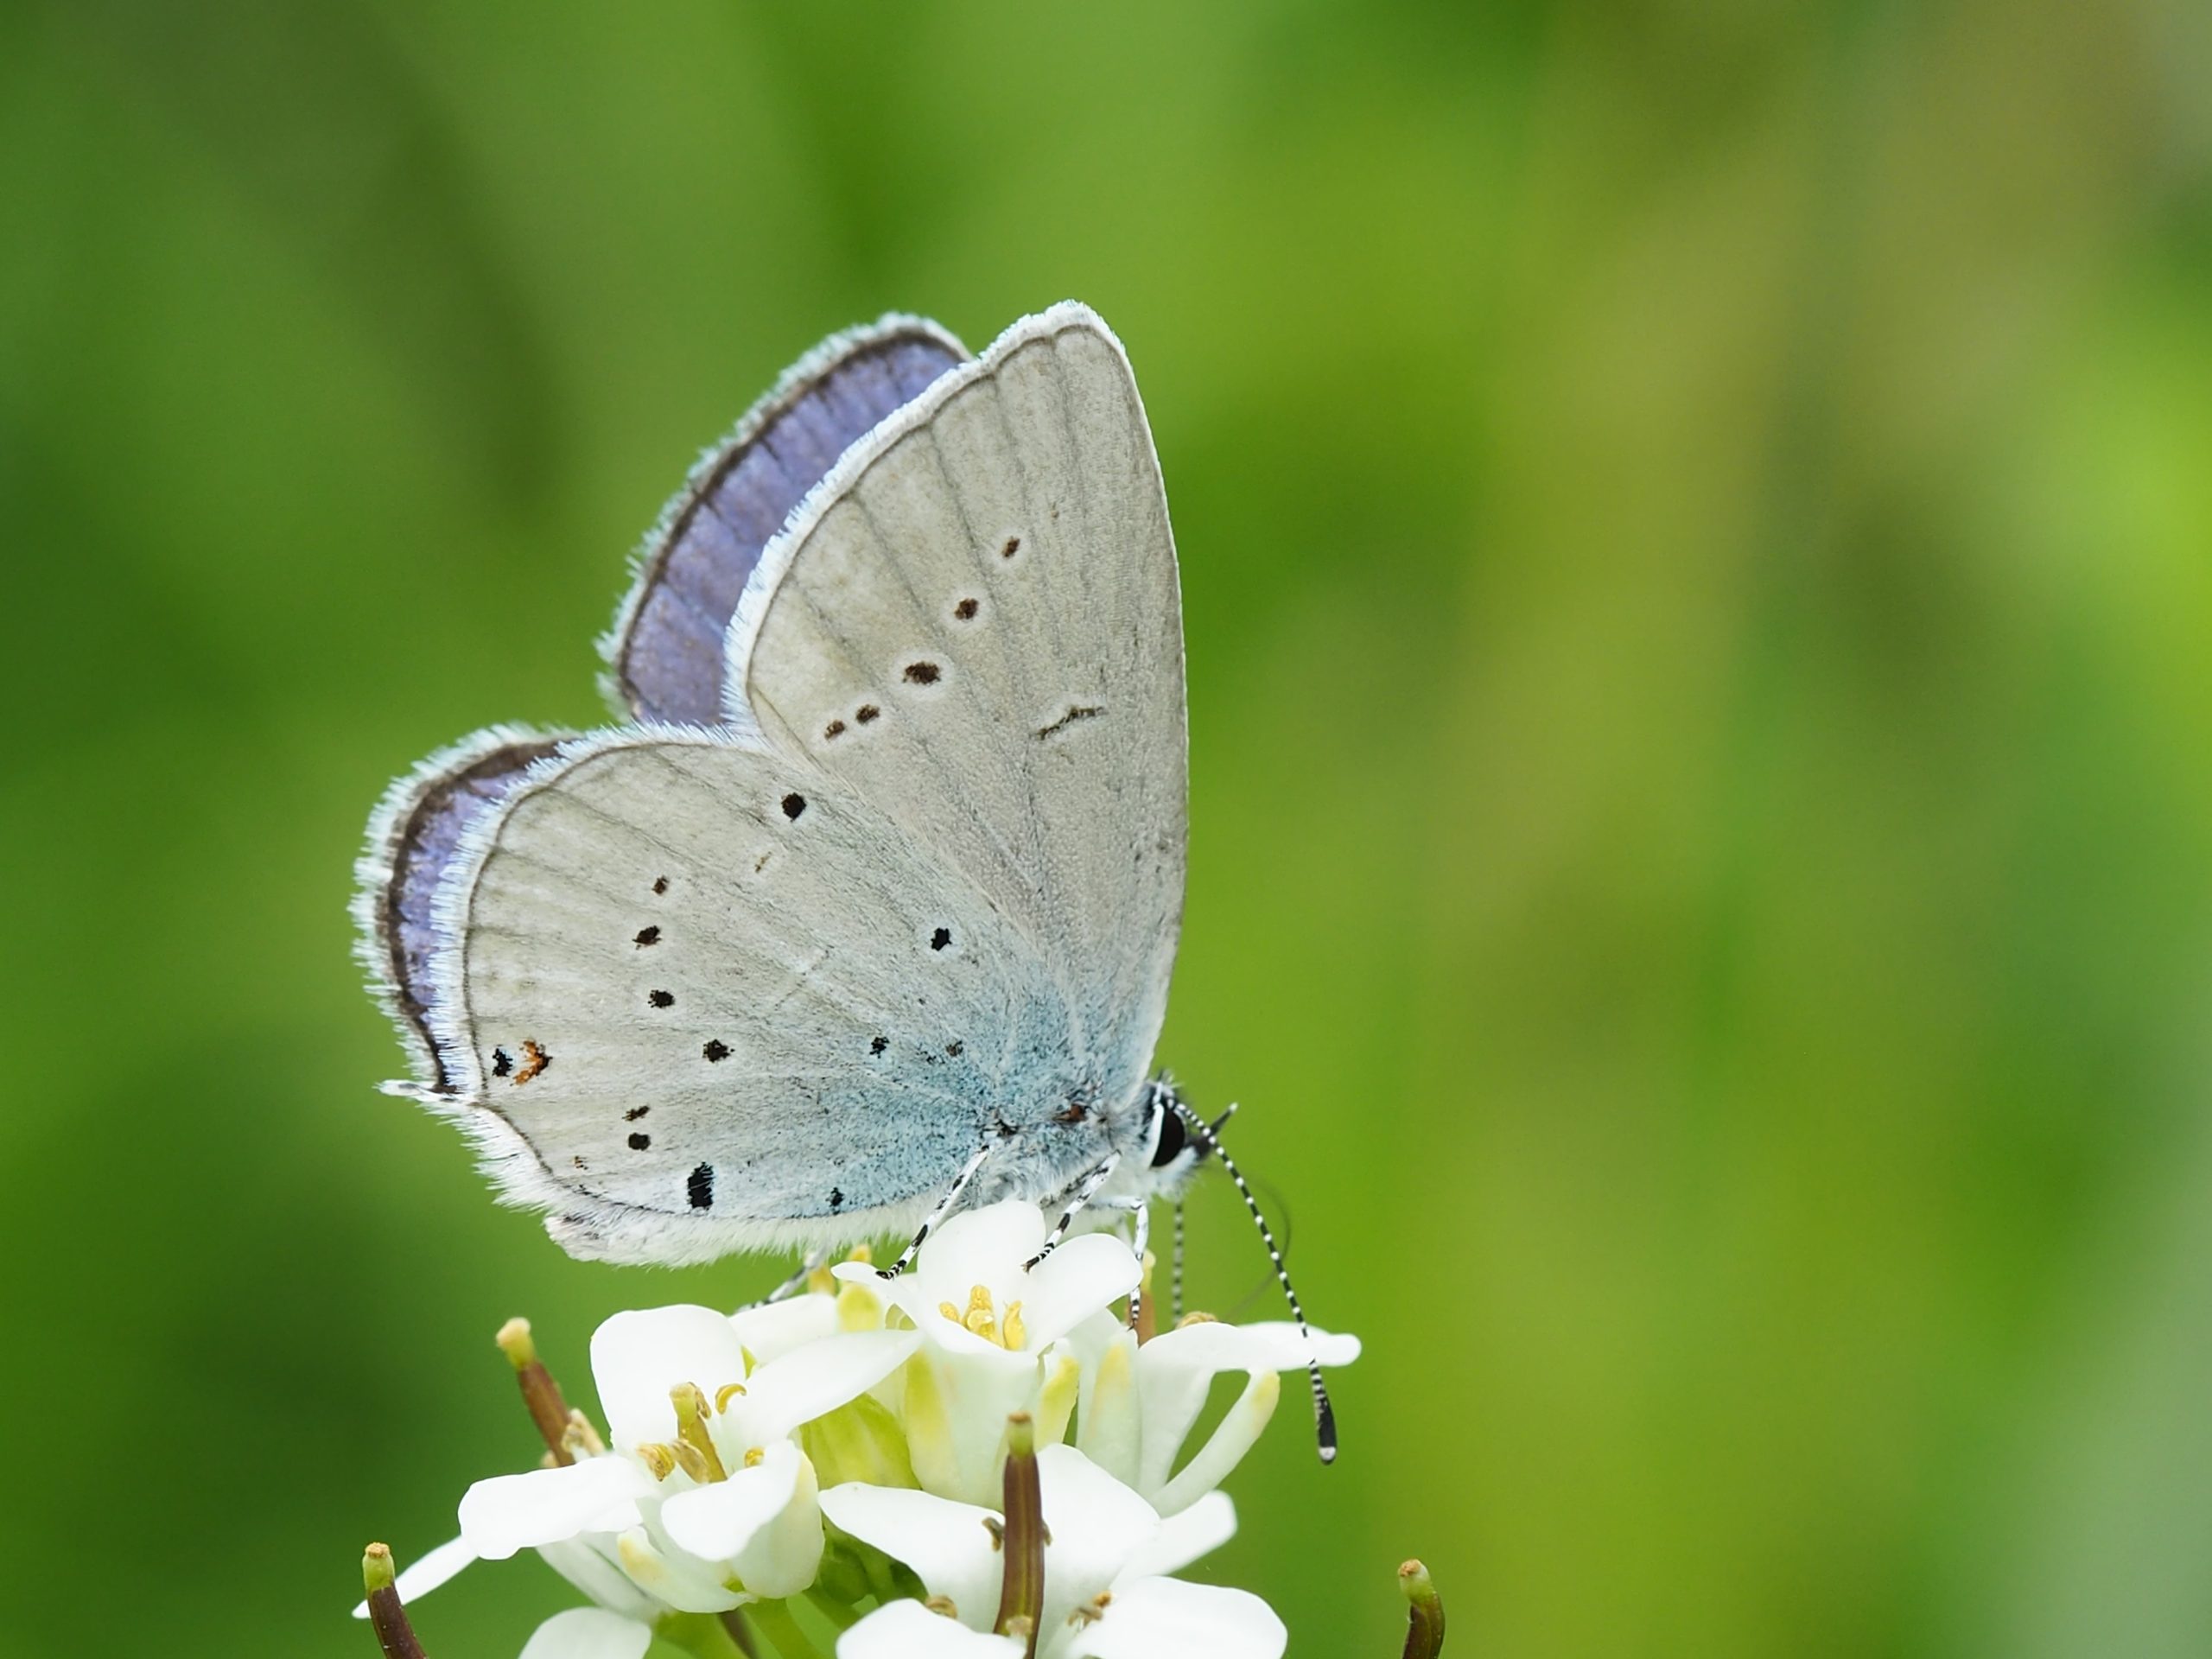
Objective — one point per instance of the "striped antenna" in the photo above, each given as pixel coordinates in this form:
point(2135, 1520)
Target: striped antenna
point(1208, 1135)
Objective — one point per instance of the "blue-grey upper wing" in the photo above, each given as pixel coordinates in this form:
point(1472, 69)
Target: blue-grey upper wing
point(665, 651)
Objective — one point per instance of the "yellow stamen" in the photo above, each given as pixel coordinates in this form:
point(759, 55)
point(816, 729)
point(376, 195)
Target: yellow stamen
point(724, 1394)
point(580, 1437)
point(659, 1459)
point(688, 1460)
point(1011, 1334)
point(943, 1606)
point(980, 1315)
point(754, 1455)
point(1093, 1613)
point(690, 1405)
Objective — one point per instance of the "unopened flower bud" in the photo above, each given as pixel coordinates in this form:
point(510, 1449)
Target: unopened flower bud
point(1424, 1613)
point(386, 1616)
point(540, 1392)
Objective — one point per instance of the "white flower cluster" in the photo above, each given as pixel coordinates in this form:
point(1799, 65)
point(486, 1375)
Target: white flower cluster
point(882, 1407)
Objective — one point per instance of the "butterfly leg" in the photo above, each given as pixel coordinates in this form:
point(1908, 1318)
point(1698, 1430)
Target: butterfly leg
point(1086, 1186)
point(945, 1206)
point(793, 1286)
point(1140, 1242)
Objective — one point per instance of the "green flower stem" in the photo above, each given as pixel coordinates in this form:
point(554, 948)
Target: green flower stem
point(740, 1633)
point(842, 1614)
point(773, 1620)
point(707, 1635)
point(1424, 1613)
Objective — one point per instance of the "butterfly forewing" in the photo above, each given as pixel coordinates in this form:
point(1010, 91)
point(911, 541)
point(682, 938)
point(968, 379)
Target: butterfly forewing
point(978, 628)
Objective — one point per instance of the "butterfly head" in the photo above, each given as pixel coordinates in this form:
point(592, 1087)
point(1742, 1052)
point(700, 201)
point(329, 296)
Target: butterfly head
point(1176, 1141)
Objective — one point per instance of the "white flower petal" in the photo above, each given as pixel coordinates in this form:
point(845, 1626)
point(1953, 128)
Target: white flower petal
point(1165, 1618)
point(1200, 1530)
point(906, 1629)
point(588, 1633)
point(1175, 1370)
point(1096, 1524)
point(984, 1247)
point(1234, 1435)
point(773, 1330)
point(1079, 1279)
point(981, 1246)
point(784, 1556)
point(1108, 1425)
point(589, 1564)
point(425, 1575)
point(672, 1577)
point(635, 1358)
point(944, 1542)
point(714, 1521)
point(955, 1410)
point(1271, 1345)
point(817, 1378)
point(512, 1512)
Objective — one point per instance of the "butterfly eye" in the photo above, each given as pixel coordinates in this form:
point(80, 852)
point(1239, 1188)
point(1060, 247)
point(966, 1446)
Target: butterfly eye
point(1173, 1138)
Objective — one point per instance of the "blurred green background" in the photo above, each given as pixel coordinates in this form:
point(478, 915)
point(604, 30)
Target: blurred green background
point(1697, 539)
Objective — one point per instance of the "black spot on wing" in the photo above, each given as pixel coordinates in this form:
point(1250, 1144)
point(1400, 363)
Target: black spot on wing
point(701, 1188)
point(646, 936)
point(635, 1113)
point(924, 673)
point(866, 713)
point(660, 884)
point(502, 1063)
point(661, 999)
point(877, 1045)
point(939, 939)
point(794, 804)
point(966, 609)
point(640, 1142)
point(715, 1049)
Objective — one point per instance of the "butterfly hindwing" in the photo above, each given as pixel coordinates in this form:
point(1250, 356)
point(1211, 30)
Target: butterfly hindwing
point(716, 998)
point(414, 837)
point(665, 651)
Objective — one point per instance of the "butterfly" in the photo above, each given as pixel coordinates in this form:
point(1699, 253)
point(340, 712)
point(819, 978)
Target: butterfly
point(867, 906)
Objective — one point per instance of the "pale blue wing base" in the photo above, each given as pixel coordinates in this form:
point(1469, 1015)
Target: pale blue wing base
point(664, 652)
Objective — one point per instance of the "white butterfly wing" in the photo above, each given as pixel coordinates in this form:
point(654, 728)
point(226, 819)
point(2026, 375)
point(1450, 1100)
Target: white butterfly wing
point(974, 621)
point(717, 1000)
